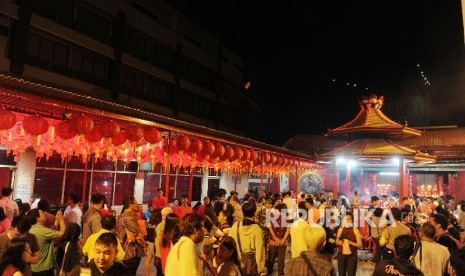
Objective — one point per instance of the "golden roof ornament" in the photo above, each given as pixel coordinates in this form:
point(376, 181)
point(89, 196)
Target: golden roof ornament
point(372, 101)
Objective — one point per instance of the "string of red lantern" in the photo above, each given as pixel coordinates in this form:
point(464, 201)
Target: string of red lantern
point(216, 155)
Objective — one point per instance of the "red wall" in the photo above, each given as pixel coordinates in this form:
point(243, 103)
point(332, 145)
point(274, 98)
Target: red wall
point(457, 186)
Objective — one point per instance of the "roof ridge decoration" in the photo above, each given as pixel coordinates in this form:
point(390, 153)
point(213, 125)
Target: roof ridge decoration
point(372, 122)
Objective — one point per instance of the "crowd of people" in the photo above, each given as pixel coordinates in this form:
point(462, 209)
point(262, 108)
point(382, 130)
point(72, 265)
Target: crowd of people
point(321, 233)
point(227, 235)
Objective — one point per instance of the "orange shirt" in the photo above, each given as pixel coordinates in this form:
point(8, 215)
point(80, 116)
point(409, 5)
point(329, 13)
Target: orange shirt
point(159, 202)
point(182, 210)
point(313, 215)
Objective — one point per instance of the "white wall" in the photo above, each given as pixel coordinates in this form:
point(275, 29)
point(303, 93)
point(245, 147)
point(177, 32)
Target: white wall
point(25, 174)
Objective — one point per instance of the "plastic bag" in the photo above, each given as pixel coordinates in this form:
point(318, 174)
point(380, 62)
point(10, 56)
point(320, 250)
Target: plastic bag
point(346, 248)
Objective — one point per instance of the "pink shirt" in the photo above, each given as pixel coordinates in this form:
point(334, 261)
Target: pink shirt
point(202, 210)
point(10, 207)
point(5, 225)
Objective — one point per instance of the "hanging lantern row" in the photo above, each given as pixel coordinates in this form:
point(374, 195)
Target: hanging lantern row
point(81, 136)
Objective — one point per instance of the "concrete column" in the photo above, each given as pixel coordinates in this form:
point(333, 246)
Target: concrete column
point(205, 183)
point(23, 185)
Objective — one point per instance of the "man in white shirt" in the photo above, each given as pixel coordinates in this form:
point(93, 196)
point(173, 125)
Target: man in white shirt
point(184, 259)
point(291, 206)
point(72, 212)
point(35, 198)
point(431, 257)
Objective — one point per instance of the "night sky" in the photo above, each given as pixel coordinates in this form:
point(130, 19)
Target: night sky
point(318, 59)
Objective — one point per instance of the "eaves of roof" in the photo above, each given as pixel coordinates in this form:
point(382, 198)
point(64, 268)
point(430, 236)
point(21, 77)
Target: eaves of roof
point(377, 148)
point(35, 97)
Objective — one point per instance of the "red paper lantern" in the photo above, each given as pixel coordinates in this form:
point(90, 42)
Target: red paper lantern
point(82, 124)
point(196, 146)
point(266, 157)
point(183, 142)
point(291, 162)
point(228, 153)
point(219, 150)
point(110, 129)
point(35, 125)
point(279, 160)
point(7, 119)
point(247, 155)
point(238, 153)
point(95, 135)
point(153, 136)
point(134, 133)
point(254, 156)
point(119, 140)
point(208, 148)
point(285, 161)
point(272, 159)
point(65, 131)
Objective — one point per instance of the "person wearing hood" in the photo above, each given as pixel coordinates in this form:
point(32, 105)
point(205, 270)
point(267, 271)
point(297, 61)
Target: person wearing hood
point(401, 264)
point(250, 236)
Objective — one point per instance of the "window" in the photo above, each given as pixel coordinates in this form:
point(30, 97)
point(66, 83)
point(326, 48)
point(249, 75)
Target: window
point(152, 182)
point(89, 67)
point(58, 10)
point(197, 74)
point(160, 55)
point(122, 189)
point(132, 82)
point(93, 24)
point(48, 183)
point(102, 182)
point(136, 44)
point(158, 91)
point(7, 159)
point(196, 104)
point(60, 55)
point(74, 184)
point(67, 59)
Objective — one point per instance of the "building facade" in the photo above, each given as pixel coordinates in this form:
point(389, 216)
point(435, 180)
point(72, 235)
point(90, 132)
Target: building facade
point(137, 61)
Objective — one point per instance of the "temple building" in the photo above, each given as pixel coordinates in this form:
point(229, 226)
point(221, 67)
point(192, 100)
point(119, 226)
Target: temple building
point(375, 155)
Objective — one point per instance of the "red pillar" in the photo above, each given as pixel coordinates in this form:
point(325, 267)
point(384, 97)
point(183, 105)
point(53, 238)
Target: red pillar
point(348, 181)
point(191, 180)
point(262, 173)
point(335, 182)
point(296, 180)
point(403, 179)
point(167, 168)
point(84, 182)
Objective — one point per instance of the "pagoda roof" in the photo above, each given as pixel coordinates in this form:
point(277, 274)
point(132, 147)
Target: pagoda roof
point(377, 148)
point(372, 122)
